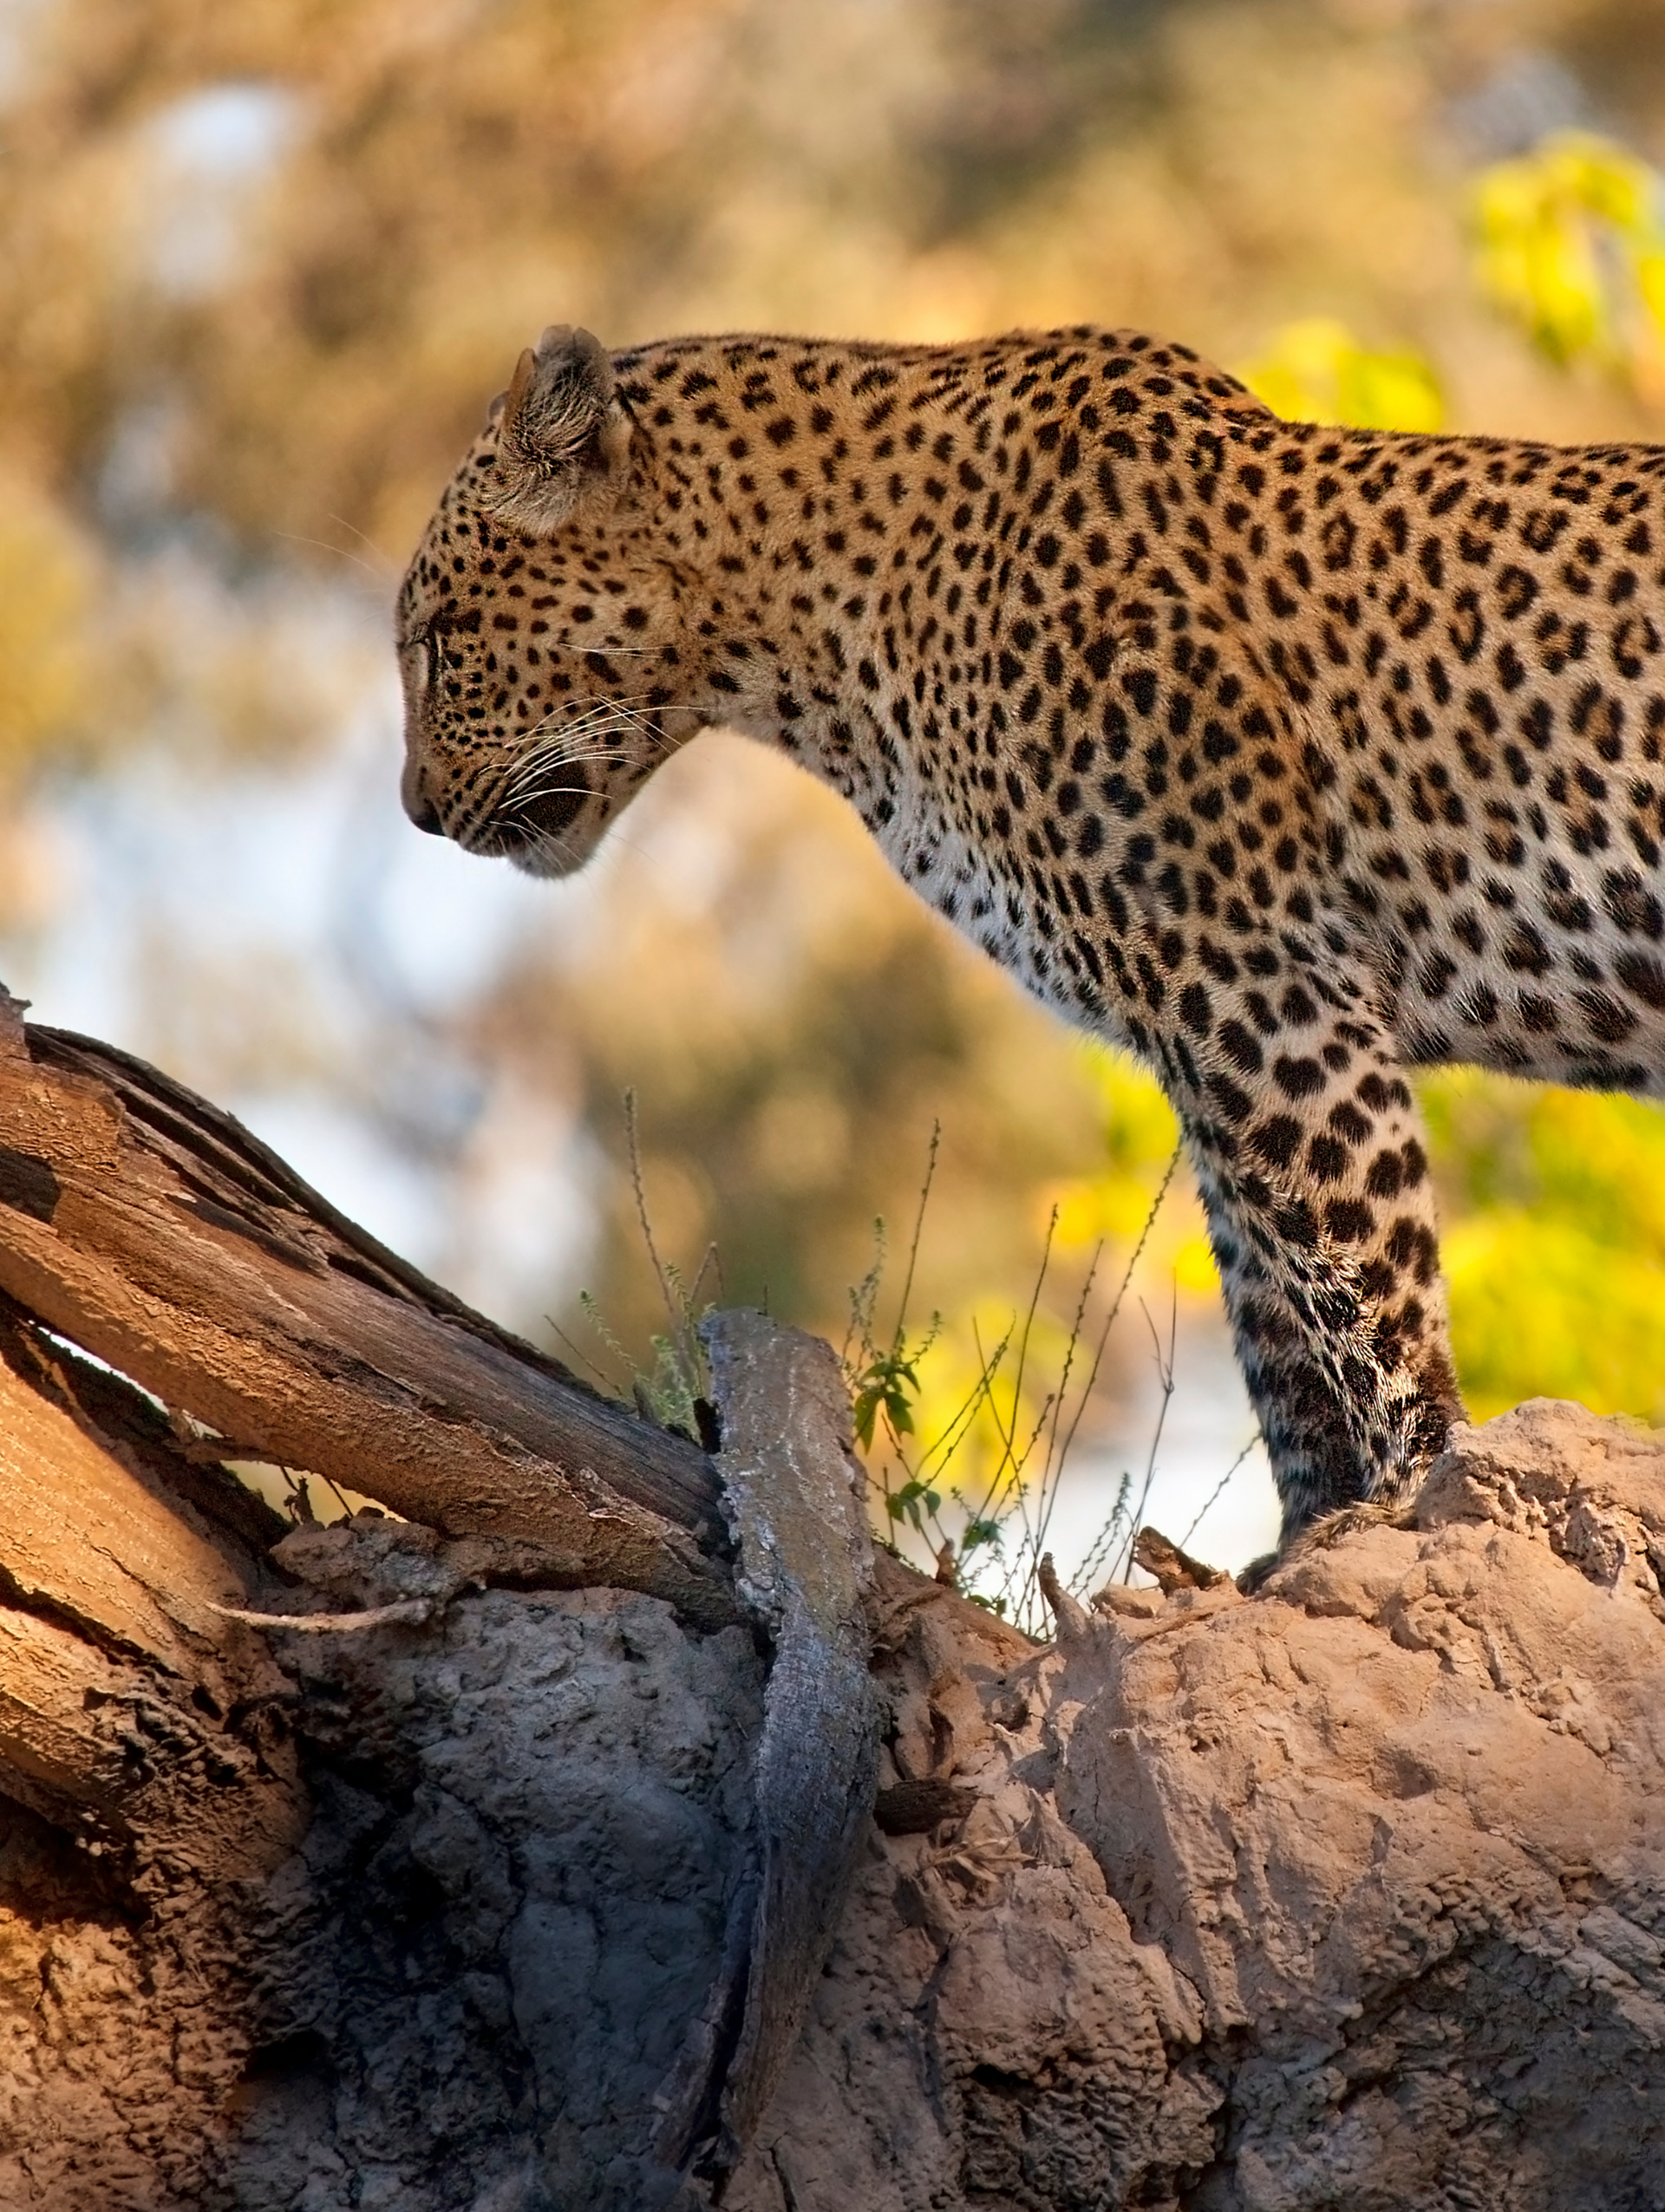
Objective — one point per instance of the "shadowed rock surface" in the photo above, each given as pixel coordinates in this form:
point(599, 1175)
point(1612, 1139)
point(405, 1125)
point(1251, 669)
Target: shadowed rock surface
point(478, 1972)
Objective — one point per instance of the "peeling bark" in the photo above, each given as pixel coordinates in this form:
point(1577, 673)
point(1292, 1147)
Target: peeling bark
point(151, 1229)
point(794, 1498)
point(130, 1708)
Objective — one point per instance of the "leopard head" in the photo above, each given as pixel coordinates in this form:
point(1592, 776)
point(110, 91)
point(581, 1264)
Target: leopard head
point(541, 642)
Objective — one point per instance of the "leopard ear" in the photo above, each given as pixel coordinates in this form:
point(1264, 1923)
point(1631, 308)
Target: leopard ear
point(562, 440)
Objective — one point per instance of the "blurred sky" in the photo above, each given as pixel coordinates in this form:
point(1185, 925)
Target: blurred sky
point(260, 270)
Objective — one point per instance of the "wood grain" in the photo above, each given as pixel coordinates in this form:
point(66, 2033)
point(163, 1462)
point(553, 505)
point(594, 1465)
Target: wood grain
point(151, 1229)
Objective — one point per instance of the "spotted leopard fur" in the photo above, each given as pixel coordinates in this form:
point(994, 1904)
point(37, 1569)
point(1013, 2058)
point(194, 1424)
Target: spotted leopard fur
point(1289, 758)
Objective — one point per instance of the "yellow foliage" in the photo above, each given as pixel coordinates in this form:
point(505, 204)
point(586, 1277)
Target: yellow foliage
point(1316, 371)
point(1542, 1309)
point(1554, 1244)
point(1139, 1134)
point(1572, 245)
point(982, 1441)
point(1114, 1206)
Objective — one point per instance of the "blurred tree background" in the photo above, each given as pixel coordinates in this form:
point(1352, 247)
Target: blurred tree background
point(260, 269)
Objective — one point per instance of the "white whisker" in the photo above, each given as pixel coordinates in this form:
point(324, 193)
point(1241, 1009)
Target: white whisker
point(542, 742)
point(598, 710)
point(516, 802)
point(388, 565)
point(549, 757)
point(294, 537)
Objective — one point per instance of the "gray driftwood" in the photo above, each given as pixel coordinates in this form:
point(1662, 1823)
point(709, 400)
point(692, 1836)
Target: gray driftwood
point(794, 1498)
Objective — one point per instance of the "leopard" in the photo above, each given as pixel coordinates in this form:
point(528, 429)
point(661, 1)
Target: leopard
point(1292, 759)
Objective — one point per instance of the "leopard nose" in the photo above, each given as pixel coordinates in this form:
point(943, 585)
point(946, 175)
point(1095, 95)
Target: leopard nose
point(420, 807)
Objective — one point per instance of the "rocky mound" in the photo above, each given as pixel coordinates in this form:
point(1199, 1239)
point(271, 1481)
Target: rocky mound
point(1351, 1894)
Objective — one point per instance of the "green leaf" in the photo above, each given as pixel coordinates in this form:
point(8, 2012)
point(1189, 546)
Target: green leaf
point(866, 1412)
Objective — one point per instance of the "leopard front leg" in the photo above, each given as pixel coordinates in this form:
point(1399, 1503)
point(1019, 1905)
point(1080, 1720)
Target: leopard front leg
point(1309, 1147)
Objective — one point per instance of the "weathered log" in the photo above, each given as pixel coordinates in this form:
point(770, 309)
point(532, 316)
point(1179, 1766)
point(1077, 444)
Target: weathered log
point(134, 1716)
point(150, 1228)
point(133, 1668)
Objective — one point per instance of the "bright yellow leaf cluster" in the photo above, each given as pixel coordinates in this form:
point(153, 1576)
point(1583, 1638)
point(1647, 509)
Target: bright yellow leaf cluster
point(1316, 371)
point(1555, 1245)
point(1114, 1206)
point(1572, 245)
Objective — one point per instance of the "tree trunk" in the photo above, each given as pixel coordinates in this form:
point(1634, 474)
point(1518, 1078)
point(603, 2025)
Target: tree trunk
point(613, 1831)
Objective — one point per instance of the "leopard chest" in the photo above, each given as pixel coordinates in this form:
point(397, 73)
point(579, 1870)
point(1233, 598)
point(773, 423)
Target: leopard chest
point(1015, 774)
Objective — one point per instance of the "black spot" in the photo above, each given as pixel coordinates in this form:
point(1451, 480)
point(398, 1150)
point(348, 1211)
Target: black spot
point(1241, 1047)
point(1524, 952)
point(1327, 1158)
point(1386, 1175)
point(1349, 1221)
point(1643, 976)
point(1140, 684)
point(1632, 905)
point(1609, 1022)
point(1276, 1141)
point(1352, 1126)
point(1298, 1079)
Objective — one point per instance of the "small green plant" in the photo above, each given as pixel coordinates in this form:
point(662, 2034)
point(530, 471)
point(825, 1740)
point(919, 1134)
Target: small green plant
point(1007, 1441)
point(885, 1379)
point(888, 1384)
point(886, 1392)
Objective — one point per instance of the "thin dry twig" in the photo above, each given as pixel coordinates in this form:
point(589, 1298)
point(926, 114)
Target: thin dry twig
point(639, 1187)
point(1215, 1495)
point(1164, 1371)
point(411, 1610)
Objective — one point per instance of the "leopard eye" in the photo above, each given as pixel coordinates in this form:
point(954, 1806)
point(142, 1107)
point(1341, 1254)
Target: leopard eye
point(420, 654)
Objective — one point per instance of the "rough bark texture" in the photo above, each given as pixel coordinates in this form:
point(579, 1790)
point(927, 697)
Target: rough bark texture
point(1351, 1894)
point(151, 1229)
